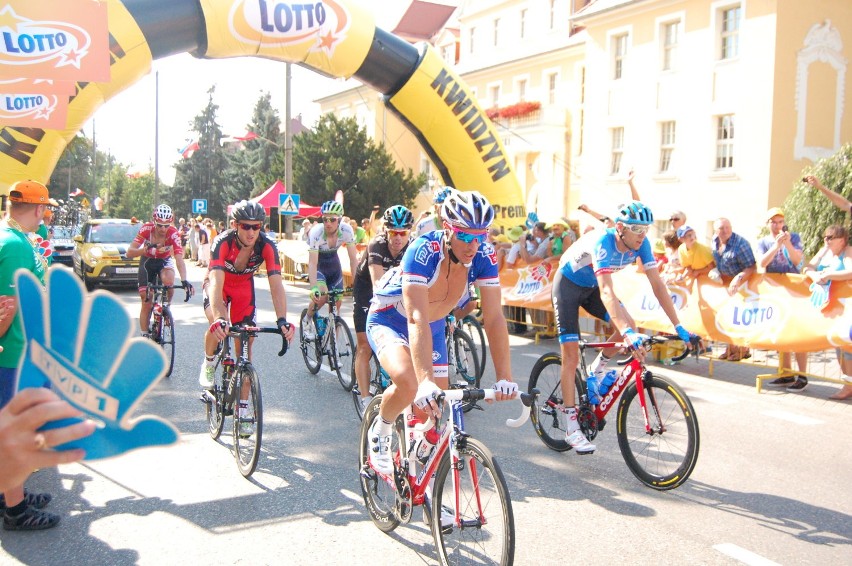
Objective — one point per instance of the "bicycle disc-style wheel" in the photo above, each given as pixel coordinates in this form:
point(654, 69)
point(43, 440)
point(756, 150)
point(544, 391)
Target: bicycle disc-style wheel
point(216, 412)
point(379, 496)
point(167, 338)
point(375, 386)
point(665, 457)
point(310, 346)
point(248, 427)
point(547, 420)
point(486, 530)
point(474, 329)
point(341, 352)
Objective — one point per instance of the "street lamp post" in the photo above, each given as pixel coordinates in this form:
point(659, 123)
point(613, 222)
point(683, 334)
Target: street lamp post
point(288, 155)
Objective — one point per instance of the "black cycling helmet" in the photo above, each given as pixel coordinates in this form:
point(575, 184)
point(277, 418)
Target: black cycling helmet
point(398, 218)
point(247, 210)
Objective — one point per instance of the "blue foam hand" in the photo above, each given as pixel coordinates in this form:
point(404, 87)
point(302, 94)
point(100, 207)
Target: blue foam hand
point(532, 218)
point(819, 294)
point(83, 347)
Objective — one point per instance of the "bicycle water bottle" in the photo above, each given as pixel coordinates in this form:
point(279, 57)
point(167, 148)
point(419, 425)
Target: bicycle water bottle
point(592, 387)
point(385, 378)
point(227, 372)
point(320, 324)
point(427, 445)
point(606, 383)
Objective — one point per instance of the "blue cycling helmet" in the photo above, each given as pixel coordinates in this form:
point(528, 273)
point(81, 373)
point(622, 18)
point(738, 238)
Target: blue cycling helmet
point(635, 213)
point(442, 193)
point(398, 218)
point(467, 210)
point(331, 208)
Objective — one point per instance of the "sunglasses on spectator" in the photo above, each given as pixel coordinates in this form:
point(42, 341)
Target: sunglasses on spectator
point(829, 238)
point(637, 229)
point(674, 218)
point(403, 233)
point(250, 227)
point(468, 237)
point(330, 219)
point(162, 225)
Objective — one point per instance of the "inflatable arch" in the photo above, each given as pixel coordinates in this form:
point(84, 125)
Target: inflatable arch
point(337, 38)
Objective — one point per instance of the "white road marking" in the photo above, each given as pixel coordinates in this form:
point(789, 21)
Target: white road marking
point(792, 417)
point(743, 555)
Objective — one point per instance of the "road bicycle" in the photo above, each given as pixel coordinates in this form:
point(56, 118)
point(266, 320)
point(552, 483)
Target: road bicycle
point(469, 485)
point(656, 427)
point(161, 329)
point(315, 341)
point(234, 377)
point(471, 325)
point(379, 381)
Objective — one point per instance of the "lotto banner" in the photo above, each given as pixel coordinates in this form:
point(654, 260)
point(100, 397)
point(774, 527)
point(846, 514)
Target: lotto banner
point(46, 39)
point(773, 312)
point(33, 110)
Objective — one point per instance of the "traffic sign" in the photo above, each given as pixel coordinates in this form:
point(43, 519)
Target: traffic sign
point(288, 204)
point(199, 206)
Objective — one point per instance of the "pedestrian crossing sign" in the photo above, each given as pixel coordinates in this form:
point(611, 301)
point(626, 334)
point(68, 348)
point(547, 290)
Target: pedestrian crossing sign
point(288, 204)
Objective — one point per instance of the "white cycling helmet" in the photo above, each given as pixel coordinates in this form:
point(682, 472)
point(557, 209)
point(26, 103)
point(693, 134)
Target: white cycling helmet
point(163, 214)
point(467, 210)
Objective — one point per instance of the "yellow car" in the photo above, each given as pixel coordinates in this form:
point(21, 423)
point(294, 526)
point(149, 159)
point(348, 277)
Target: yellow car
point(100, 252)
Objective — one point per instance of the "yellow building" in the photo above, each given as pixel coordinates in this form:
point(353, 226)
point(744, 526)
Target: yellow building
point(716, 105)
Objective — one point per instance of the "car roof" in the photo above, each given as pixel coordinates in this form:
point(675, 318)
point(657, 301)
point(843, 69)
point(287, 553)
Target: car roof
point(109, 221)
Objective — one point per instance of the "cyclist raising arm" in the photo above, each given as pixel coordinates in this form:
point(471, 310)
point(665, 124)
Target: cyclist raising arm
point(584, 279)
point(405, 325)
point(159, 248)
point(324, 269)
point(385, 251)
point(431, 221)
point(237, 254)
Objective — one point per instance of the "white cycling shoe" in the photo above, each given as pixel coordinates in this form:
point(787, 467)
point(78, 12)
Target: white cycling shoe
point(578, 441)
point(380, 450)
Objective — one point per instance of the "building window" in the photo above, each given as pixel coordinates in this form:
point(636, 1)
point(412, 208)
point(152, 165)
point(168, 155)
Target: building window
point(551, 88)
point(495, 95)
point(523, 23)
point(552, 14)
point(667, 145)
point(496, 31)
point(671, 33)
point(619, 50)
point(730, 33)
point(522, 90)
point(472, 38)
point(617, 150)
point(725, 142)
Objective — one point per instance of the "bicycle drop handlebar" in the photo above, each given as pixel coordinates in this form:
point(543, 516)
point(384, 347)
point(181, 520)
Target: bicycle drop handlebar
point(237, 331)
point(526, 399)
point(693, 347)
point(167, 287)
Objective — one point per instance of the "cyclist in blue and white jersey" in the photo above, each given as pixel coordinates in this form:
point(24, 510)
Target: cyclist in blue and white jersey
point(431, 221)
point(405, 325)
point(324, 269)
point(584, 279)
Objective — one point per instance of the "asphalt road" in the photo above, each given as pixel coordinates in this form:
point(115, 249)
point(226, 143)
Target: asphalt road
point(771, 484)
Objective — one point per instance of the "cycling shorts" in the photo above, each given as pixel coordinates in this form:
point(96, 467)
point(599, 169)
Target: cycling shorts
point(239, 299)
point(150, 267)
point(567, 299)
point(332, 279)
point(388, 327)
point(362, 295)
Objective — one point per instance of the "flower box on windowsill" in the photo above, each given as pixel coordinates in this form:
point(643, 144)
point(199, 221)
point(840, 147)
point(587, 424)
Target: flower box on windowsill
point(513, 111)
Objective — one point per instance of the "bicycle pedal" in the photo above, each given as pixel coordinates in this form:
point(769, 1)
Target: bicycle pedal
point(478, 407)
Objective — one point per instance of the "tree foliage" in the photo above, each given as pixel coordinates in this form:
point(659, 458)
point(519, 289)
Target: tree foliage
point(807, 211)
point(338, 155)
point(264, 155)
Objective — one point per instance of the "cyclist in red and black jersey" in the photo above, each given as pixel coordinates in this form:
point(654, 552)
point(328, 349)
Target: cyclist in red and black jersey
point(385, 251)
point(237, 254)
point(159, 248)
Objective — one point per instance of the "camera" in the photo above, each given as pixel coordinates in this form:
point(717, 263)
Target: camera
point(529, 237)
point(804, 179)
point(784, 228)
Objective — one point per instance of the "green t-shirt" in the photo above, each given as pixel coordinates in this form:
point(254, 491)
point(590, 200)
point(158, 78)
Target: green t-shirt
point(16, 252)
point(360, 235)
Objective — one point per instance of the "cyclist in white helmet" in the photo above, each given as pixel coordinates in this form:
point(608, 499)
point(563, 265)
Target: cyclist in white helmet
point(430, 221)
point(159, 248)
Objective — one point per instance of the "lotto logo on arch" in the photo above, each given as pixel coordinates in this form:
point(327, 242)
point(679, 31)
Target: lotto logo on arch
point(284, 24)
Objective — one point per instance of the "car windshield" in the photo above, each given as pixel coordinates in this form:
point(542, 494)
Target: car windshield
point(112, 233)
point(63, 232)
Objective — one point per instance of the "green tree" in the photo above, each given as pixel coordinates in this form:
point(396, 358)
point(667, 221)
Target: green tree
point(807, 211)
point(264, 155)
point(338, 155)
point(73, 170)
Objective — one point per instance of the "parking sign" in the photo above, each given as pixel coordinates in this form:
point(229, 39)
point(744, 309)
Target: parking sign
point(199, 206)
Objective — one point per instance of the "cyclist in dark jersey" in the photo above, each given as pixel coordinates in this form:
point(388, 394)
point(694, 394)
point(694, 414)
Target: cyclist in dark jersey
point(384, 252)
point(237, 254)
point(159, 248)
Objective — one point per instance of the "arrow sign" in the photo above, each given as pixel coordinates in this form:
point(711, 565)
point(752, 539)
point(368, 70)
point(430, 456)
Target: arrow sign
point(288, 204)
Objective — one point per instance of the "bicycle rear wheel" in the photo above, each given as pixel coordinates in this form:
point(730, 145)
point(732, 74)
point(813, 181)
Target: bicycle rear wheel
point(547, 420)
point(216, 412)
point(379, 496)
point(465, 372)
point(248, 423)
point(485, 532)
point(167, 338)
point(310, 346)
point(474, 329)
point(375, 386)
point(664, 457)
point(341, 351)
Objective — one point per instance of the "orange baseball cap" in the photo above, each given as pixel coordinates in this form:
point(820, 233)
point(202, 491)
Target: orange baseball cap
point(30, 192)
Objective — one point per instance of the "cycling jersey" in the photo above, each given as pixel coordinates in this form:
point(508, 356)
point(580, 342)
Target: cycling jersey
point(328, 262)
point(378, 253)
point(421, 265)
point(172, 246)
point(596, 252)
point(428, 224)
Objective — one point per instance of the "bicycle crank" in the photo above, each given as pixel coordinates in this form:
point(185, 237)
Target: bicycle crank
point(404, 501)
point(588, 422)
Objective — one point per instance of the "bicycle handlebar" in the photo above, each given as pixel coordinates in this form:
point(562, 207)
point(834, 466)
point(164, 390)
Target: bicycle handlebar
point(526, 399)
point(167, 287)
point(692, 347)
point(236, 331)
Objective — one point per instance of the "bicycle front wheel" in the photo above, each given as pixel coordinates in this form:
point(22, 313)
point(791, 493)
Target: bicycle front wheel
point(474, 329)
point(379, 496)
point(483, 530)
point(375, 386)
point(248, 422)
point(545, 416)
point(341, 353)
point(167, 338)
point(664, 456)
point(309, 343)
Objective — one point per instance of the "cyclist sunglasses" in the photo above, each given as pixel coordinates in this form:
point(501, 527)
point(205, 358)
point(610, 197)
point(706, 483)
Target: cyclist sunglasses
point(250, 227)
point(330, 219)
point(637, 229)
point(403, 233)
point(162, 225)
point(468, 237)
